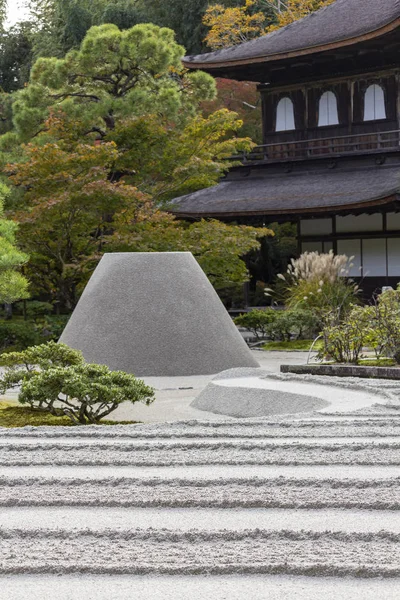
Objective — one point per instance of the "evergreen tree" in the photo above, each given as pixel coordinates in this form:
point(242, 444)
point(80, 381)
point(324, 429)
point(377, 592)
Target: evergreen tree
point(62, 24)
point(16, 55)
point(114, 74)
point(124, 14)
point(3, 14)
point(13, 285)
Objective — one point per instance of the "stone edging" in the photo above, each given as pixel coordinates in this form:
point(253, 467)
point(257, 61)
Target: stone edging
point(344, 371)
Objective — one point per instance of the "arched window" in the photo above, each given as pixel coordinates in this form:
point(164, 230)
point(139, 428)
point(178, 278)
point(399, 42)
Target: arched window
point(374, 103)
point(285, 115)
point(328, 110)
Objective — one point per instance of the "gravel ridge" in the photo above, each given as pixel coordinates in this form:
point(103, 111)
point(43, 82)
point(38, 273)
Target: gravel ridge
point(197, 552)
point(216, 454)
point(216, 493)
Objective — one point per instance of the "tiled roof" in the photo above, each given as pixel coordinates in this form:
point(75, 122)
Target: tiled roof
point(343, 22)
point(305, 189)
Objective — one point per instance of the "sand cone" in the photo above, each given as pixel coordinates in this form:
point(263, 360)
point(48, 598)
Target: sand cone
point(155, 314)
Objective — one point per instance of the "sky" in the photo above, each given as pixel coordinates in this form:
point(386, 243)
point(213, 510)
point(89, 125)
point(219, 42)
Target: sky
point(16, 11)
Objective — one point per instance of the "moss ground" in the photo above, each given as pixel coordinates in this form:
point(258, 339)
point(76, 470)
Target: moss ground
point(293, 345)
point(381, 362)
point(12, 415)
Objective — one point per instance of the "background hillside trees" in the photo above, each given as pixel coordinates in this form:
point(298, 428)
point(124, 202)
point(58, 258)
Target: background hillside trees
point(293, 10)
point(113, 132)
point(229, 26)
point(96, 112)
point(62, 24)
point(16, 54)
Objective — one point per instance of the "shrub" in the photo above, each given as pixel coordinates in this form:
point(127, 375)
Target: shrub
point(52, 326)
point(22, 334)
point(35, 310)
point(293, 324)
point(278, 324)
point(320, 283)
point(55, 379)
point(18, 334)
point(259, 322)
point(344, 342)
point(386, 312)
point(377, 327)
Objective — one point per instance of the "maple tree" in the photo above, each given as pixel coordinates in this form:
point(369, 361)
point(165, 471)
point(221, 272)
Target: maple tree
point(242, 98)
point(293, 10)
point(66, 201)
point(167, 161)
point(218, 247)
point(76, 206)
point(232, 25)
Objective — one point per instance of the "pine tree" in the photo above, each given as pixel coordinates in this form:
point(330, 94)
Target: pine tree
point(13, 285)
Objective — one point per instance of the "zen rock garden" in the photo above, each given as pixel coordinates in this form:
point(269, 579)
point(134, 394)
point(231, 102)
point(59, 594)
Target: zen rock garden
point(231, 473)
point(200, 339)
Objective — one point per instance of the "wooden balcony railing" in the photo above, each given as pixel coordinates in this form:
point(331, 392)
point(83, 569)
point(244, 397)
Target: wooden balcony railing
point(362, 143)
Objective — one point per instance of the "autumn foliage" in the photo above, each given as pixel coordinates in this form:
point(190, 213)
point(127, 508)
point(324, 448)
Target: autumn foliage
point(297, 9)
point(233, 25)
point(82, 198)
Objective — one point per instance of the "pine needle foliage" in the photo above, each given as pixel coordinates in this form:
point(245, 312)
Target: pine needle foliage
point(13, 285)
point(54, 379)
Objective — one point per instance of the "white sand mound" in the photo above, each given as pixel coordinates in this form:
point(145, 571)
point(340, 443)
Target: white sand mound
point(226, 395)
point(252, 402)
point(248, 393)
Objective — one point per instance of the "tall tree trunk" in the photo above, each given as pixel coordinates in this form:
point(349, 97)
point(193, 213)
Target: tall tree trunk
point(9, 311)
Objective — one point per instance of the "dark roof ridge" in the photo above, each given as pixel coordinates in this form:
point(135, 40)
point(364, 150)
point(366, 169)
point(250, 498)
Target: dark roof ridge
point(302, 168)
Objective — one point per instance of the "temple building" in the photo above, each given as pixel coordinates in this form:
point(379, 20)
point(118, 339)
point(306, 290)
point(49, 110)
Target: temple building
point(330, 158)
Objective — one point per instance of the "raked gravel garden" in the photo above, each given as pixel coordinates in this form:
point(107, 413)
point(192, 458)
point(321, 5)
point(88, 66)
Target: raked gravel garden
point(302, 505)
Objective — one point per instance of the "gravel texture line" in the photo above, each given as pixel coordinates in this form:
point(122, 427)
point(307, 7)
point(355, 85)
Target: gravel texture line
point(309, 440)
point(246, 453)
point(200, 552)
point(97, 519)
point(340, 425)
point(376, 494)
